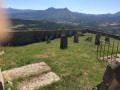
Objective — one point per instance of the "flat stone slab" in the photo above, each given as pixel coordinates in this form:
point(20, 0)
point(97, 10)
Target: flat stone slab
point(26, 71)
point(1, 81)
point(1, 53)
point(38, 81)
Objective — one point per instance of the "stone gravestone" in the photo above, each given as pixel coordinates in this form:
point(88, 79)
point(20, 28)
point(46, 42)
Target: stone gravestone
point(70, 33)
point(97, 39)
point(48, 39)
point(63, 42)
point(81, 34)
point(76, 37)
point(1, 81)
point(107, 39)
point(88, 39)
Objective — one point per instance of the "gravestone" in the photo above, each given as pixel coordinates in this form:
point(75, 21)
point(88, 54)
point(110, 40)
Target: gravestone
point(63, 42)
point(88, 39)
point(97, 39)
point(107, 39)
point(48, 39)
point(70, 33)
point(81, 34)
point(76, 37)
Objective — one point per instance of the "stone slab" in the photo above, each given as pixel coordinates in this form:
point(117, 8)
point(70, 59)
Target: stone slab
point(1, 53)
point(26, 71)
point(1, 81)
point(38, 81)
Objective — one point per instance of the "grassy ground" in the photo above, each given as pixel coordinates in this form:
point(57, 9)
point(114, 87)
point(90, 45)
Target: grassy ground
point(77, 65)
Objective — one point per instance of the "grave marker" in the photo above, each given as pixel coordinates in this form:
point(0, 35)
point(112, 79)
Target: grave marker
point(76, 37)
point(63, 42)
point(97, 39)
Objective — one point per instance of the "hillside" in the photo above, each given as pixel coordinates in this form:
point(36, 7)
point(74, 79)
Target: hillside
point(77, 66)
point(104, 22)
point(18, 24)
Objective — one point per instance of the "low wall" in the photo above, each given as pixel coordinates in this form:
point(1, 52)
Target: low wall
point(27, 37)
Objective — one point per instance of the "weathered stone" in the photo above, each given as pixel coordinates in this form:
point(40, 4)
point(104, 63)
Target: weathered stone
point(1, 81)
point(114, 85)
point(38, 81)
point(115, 64)
point(76, 37)
point(107, 78)
point(117, 74)
point(63, 42)
point(26, 71)
point(88, 39)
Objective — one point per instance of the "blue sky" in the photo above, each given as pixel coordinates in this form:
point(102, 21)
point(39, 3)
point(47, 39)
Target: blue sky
point(83, 6)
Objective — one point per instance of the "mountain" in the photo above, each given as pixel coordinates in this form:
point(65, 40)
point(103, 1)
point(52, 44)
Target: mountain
point(105, 22)
point(60, 15)
point(13, 11)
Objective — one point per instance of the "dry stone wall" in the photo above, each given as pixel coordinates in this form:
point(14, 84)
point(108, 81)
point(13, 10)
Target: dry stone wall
point(27, 37)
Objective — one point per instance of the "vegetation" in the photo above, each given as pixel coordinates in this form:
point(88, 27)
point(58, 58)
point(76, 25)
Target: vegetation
point(109, 23)
point(38, 25)
point(77, 65)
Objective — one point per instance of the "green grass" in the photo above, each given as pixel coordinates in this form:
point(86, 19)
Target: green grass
point(77, 66)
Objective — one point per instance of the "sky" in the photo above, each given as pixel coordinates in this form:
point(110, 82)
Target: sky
point(82, 6)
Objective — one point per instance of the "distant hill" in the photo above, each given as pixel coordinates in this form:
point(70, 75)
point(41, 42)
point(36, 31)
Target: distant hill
point(38, 25)
point(58, 15)
point(14, 11)
point(105, 22)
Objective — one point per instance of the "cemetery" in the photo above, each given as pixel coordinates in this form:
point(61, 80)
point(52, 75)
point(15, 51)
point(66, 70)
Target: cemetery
point(60, 60)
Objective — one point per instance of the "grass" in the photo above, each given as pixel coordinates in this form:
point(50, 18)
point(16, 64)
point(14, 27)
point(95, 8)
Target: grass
point(77, 66)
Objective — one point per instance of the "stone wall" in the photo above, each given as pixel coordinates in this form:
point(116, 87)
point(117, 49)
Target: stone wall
point(27, 37)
